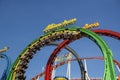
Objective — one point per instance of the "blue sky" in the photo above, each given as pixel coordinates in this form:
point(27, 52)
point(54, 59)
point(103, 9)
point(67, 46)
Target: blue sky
point(22, 21)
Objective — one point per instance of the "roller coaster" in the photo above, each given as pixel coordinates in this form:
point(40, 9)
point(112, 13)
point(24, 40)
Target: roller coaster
point(69, 33)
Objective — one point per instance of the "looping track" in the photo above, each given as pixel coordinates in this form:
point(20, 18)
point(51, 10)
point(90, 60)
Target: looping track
point(20, 65)
point(51, 59)
point(102, 32)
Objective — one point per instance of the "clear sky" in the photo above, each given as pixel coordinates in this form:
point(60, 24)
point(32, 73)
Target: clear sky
point(22, 21)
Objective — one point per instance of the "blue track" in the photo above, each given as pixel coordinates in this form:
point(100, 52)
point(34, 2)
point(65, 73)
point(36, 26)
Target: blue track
point(5, 73)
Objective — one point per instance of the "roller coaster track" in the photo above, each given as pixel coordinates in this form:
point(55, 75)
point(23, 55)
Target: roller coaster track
point(65, 62)
point(51, 59)
point(56, 52)
point(20, 65)
point(102, 32)
point(5, 73)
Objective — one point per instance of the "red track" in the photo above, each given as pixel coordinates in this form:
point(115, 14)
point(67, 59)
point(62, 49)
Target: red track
point(108, 33)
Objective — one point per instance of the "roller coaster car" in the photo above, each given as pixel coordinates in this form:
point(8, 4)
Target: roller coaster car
point(52, 27)
point(60, 78)
point(88, 26)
